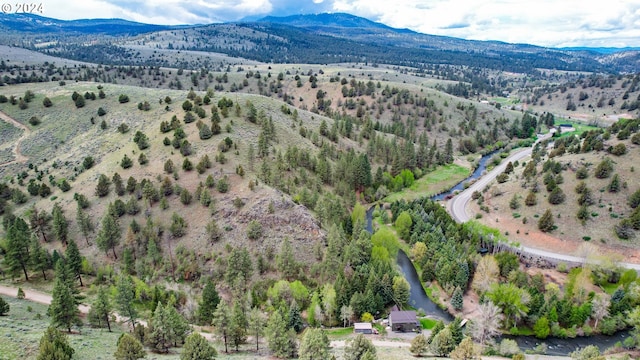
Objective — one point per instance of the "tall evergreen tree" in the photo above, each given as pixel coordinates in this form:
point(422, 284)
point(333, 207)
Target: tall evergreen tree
point(64, 306)
point(74, 260)
point(238, 326)
point(84, 223)
point(60, 224)
point(109, 234)
point(285, 261)
point(17, 251)
point(124, 299)
point(257, 322)
point(54, 346)
point(222, 321)
point(210, 300)
point(160, 337)
point(279, 336)
point(314, 345)
point(179, 328)
point(129, 348)
point(101, 309)
point(39, 222)
point(448, 152)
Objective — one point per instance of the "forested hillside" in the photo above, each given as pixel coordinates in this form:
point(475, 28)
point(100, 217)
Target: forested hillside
point(219, 204)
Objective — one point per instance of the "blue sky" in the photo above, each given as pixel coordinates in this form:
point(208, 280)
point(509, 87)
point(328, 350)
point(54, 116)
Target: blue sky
point(555, 23)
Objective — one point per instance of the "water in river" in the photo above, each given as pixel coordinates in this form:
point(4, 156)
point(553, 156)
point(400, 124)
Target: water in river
point(419, 299)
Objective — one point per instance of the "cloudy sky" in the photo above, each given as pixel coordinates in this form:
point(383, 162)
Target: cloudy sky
point(555, 23)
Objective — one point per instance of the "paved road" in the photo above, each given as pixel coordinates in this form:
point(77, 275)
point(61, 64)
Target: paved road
point(457, 207)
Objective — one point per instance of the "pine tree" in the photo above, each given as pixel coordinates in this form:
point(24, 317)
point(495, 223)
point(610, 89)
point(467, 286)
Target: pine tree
point(129, 348)
point(39, 222)
point(17, 247)
point(419, 345)
point(546, 223)
point(109, 234)
point(179, 328)
point(442, 344)
point(278, 337)
point(4, 307)
point(210, 300)
point(60, 225)
point(124, 299)
point(84, 223)
point(456, 299)
point(64, 306)
point(465, 350)
point(160, 337)
point(359, 348)
point(54, 346)
point(314, 345)
point(285, 261)
point(238, 326)
point(614, 185)
point(295, 318)
point(74, 260)
point(196, 347)
point(257, 322)
point(101, 309)
point(221, 322)
point(102, 189)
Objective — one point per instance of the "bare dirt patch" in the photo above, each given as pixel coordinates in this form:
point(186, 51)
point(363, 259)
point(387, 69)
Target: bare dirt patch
point(18, 156)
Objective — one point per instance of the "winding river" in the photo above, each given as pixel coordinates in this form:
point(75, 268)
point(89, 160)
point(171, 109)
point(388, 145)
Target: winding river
point(419, 299)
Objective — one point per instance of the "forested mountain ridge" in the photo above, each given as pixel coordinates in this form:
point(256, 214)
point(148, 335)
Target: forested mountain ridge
point(35, 24)
point(294, 40)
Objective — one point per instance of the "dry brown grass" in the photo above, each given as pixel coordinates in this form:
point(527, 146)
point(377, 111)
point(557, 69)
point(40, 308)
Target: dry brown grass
point(570, 234)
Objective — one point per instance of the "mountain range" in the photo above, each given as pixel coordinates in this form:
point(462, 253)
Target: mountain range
point(351, 38)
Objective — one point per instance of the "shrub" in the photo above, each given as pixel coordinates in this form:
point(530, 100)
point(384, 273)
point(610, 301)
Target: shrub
point(634, 199)
point(123, 99)
point(557, 196)
point(619, 149)
point(223, 185)
point(582, 173)
point(4, 307)
point(546, 223)
point(254, 230)
point(604, 169)
point(34, 121)
point(126, 162)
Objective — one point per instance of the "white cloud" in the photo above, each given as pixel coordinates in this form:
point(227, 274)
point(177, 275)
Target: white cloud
point(540, 22)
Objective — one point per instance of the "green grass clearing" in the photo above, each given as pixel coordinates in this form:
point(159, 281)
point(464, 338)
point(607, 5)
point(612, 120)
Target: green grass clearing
point(441, 179)
point(427, 324)
point(335, 333)
point(579, 127)
point(610, 288)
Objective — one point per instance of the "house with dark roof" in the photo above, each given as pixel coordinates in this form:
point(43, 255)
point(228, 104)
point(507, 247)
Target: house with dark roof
point(404, 321)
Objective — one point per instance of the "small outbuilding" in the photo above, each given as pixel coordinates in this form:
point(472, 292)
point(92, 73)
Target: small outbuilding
point(363, 328)
point(404, 321)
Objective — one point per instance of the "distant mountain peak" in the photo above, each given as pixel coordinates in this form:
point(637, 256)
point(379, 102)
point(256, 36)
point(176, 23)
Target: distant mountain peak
point(342, 20)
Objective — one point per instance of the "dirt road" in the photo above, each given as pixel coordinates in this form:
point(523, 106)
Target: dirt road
point(457, 207)
point(19, 157)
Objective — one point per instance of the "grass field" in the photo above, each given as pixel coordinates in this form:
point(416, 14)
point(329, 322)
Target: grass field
point(443, 178)
point(22, 329)
point(579, 126)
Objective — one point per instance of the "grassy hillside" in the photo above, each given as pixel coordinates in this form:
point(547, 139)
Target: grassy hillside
point(67, 135)
point(505, 204)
